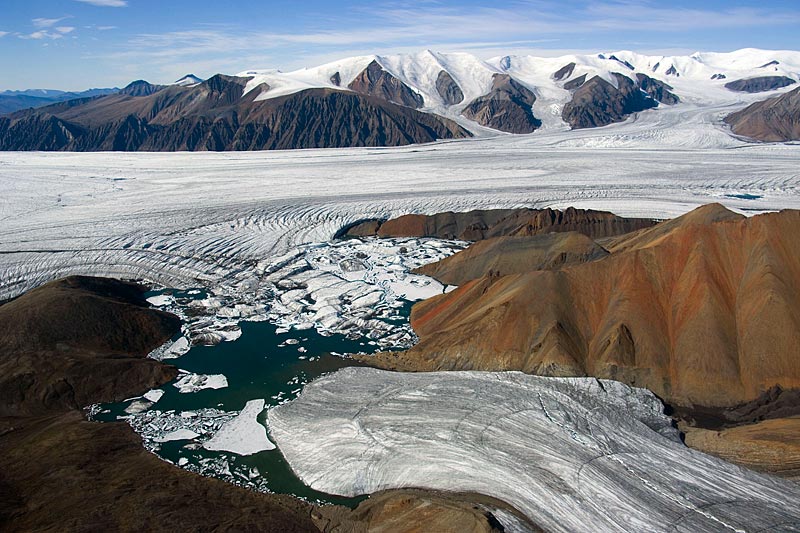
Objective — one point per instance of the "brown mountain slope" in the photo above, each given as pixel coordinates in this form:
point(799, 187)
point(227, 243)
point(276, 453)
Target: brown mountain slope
point(772, 120)
point(78, 341)
point(484, 224)
point(215, 115)
point(703, 314)
point(501, 256)
point(375, 81)
point(759, 84)
point(507, 107)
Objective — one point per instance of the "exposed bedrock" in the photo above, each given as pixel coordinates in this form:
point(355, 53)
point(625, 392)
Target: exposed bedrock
point(704, 310)
point(376, 81)
point(571, 454)
point(215, 116)
point(760, 84)
point(484, 224)
point(448, 89)
point(78, 341)
point(599, 103)
point(501, 256)
point(773, 120)
point(507, 107)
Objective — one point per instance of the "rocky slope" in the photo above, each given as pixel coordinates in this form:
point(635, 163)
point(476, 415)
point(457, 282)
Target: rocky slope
point(774, 119)
point(376, 81)
point(485, 224)
point(502, 256)
point(214, 115)
point(599, 103)
point(507, 107)
point(703, 310)
point(760, 84)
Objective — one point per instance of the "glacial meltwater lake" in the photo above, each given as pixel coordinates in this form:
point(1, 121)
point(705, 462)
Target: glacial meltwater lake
point(265, 362)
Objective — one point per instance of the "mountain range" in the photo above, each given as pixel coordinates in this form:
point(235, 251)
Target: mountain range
point(413, 98)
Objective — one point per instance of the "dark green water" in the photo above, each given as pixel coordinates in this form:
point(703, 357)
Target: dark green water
point(256, 367)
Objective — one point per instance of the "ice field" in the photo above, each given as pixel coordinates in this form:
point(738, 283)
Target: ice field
point(206, 219)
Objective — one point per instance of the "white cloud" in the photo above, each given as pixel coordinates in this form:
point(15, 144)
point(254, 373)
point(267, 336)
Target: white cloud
point(106, 28)
point(105, 3)
point(46, 23)
point(65, 29)
point(3, 33)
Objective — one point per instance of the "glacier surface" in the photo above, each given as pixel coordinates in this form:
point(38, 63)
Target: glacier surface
point(572, 454)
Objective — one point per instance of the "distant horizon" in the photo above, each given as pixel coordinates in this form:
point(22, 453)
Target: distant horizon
point(73, 45)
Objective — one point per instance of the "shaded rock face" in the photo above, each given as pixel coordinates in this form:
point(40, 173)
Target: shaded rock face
point(621, 62)
point(571, 85)
point(448, 89)
point(507, 107)
point(485, 224)
point(336, 79)
point(502, 256)
point(760, 84)
point(78, 341)
point(564, 72)
point(657, 90)
point(704, 310)
point(598, 103)
point(672, 71)
point(773, 120)
point(375, 81)
point(214, 116)
point(141, 88)
point(718, 76)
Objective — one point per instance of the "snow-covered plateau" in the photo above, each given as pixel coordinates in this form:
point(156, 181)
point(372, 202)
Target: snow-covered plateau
point(572, 454)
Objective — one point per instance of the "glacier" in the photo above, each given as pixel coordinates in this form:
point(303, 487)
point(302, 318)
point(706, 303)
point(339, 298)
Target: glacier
point(571, 454)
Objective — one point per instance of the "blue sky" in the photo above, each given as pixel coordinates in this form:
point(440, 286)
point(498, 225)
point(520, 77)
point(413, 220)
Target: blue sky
point(77, 44)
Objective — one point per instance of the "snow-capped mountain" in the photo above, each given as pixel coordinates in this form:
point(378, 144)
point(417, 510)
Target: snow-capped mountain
point(378, 100)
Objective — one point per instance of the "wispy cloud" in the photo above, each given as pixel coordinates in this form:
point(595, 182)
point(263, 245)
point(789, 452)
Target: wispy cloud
point(517, 26)
point(4, 33)
point(65, 29)
point(46, 23)
point(105, 3)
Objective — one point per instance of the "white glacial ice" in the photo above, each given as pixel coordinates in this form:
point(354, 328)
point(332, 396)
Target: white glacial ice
point(153, 395)
point(572, 454)
point(194, 382)
point(243, 435)
point(178, 434)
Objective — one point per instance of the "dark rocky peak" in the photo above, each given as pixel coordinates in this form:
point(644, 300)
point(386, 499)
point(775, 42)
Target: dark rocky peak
point(223, 89)
point(657, 89)
point(760, 84)
point(621, 62)
point(564, 72)
point(505, 63)
point(672, 71)
point(376, 81)
point(571, 85)
point(507, 107)
point(718, 77)
point(655, 67)
point(770, 64)
point(336, 79)
point(598, 103)
point(448, 89)
point(141, 88)
point(505, 84)
point(601, 56)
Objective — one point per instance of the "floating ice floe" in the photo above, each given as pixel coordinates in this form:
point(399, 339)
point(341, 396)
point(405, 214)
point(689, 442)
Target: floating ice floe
point(194, 382)
point(138, 406)
point(153, 395)
point(571, 454)
point(178, 434)
point(243, 435)
point(161, 300)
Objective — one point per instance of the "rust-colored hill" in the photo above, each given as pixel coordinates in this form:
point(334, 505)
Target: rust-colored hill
point(704, 310)
point(484, 224)
point(501, 256)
